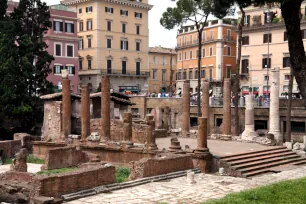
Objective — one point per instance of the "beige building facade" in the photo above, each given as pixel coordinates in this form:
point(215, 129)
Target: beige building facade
point(265, 46)
point(162, 66)
point(113, 41)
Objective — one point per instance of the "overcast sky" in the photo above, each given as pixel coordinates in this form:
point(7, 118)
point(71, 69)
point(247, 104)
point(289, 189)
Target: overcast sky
point(158, 35)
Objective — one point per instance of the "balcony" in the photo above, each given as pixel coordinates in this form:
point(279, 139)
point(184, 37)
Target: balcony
point(124, 73)
point(209, 39)
point(89, 72)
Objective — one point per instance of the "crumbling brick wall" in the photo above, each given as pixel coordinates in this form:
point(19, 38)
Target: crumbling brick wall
point(60, 184)
point(139, 133)
point(160, 165)
point(10, 147)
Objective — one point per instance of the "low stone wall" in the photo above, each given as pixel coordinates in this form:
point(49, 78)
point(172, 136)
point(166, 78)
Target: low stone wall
point(161, 133)
point(10, 147)
point(161, 165)
point(60, 184)
point(40, 149)
point(17, 176)
point(116, 128)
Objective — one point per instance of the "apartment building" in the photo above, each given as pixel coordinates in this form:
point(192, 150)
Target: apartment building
point(113, 41)
point(218, 53)
point(162, 66)
point(265, 46)
point(62, 41)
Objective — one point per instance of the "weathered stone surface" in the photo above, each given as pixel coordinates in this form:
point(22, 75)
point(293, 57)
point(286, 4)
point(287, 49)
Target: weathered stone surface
point(186, 108)
point(85, 111)
point(167, 118)
point(10, 148)
point(66, 103)
point(105, 109)
point(175, 145)
point(249, 131)
point(20, 162)
point(151, 144)
point(202, 135)
point(227, 110)
point(205, 101)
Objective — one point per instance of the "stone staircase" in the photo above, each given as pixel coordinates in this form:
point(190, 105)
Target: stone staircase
point(260, 162)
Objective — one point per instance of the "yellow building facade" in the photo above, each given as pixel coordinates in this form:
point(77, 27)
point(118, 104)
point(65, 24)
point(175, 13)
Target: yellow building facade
point(114, 41)
point(162, 66)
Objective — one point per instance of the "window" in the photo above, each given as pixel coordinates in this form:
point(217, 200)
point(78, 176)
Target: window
point(228, 51)
point(109, 66)
point(138, 29)
point(211, 35)
point(185, 74)
point(210, 73)
point(245, 66)
point(124, 44)
point(138, 15)
point(89, 24)
point(109, 26)
point(123, 66)
point(303, 34)
point(89, 63)
point(71, 69)
point(57, 69)
point(286, 62)
point(58, 50)
point(154, 74)
point(203, 52)
point(137, 46)
point(109, 42)
point(266, 63)
point(124, 12)
point(190, 74)
point(267, 38)
point(81, 26)
point(287, 77)
point(69, 50)
point(80, 11)
point(203, 74)
point(180, 42)
point(89, 9)
point(58, 26)
point(196, 73)
point(109, 10)
point(154, 59)
point(204, 36)
point(197, 54)
point(266, 88)
point(285, 36)
point(69, 27)
point(247, 20)
point(179, 76)
point(228, 34)
point(89, 42)
point(137, 68)
point(164, 60)
point(210, 51)
point(245, 40)
point(190, 39)
point(80, 64)
point(190, 55)
point(185, 40)
point(180, 56)
point(268, 17)
point(81, 44)
point(164, 75)
point(266, 78)
point(228, 71)
point(185, 55)
point(123, 27)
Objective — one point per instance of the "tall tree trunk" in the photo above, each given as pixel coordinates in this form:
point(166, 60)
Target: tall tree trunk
point(288, 116)
point(199, 70)
point(291, 10)
point(236, 87)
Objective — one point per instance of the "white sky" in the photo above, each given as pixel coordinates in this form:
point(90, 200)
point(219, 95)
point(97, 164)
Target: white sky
point(158, 35)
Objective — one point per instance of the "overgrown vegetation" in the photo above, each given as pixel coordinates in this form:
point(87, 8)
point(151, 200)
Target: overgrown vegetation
point(122, 174)
point(57, 171)
point(30, 159)
point(293, 191)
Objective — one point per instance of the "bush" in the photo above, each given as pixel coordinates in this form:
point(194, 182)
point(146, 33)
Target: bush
point(122, 174)
point(56, 171)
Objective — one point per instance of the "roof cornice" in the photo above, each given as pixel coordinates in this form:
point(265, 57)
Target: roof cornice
point(121, 2)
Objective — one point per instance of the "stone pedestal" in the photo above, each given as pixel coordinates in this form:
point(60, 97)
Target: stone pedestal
point(202, 135)
point(85, 112)
point(205, 102)
point(175, 145)
point(20, 162)
point(249, 128)
point(274, 118)
point(186, 109)
point(105, 109)
point(127, 129)
point(66, 104)
point(226, 135)
point(167, 118)
point(151, 145)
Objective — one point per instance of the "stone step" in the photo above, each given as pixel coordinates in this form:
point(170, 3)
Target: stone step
point(299, 163)
point(274, 155)
point(255, 154)
point(255, 173)
point(264, 161)
point(269, 165)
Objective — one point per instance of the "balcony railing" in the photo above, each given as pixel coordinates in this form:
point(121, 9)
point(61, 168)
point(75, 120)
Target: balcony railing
point(123, 73)
point(206, 40)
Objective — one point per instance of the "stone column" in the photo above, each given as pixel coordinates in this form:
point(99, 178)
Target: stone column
point(151, 132)
point(186, 108)
point(105, 109)
point(274, 118)
point(226, 110)
point(66, 104)
point(85, 111)
point(249, 128)
point(127, 128)
point(202, 135)
point(166, 118)
point(175, 145)
point(205, 102)
point(158, 118)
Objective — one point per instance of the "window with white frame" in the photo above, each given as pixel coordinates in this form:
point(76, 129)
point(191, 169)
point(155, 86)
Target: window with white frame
point(58, 26)
point(190, 55)
point(137, 45)
point(81, 44)
point(204, 36)
point(109, 42)
point(123, 27)
point(164, 60)
point(154, 73)
point(211, 37)
point(89, 40)
point(69, 27)
point(203, 52)
point(180, 56)
point(138, 15)
point(80, 11)
point(228, 51)
point(58, 49)
point(138, 29)
point(191, 39)
point(211, 51)
point(124, 44)
point(228, 34)
point(69, 50)
point(124, 12)
point(287, 77)
point(58, 69)
point(89, 9)
point(80, 26)
point(109, 9)
point(185, 55)
point(71, 69)
point(109, 26)
point(154, 59)
point(89, 24)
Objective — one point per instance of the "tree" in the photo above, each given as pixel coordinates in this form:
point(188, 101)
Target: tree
point(196, 12)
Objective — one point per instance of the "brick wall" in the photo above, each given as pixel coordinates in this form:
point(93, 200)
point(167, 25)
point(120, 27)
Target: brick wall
point(60, 184)
point(116, 128)
point(161, 165)
point(10, 147)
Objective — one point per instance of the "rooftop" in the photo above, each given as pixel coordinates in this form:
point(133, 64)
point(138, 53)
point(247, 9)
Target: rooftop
point(159, 49)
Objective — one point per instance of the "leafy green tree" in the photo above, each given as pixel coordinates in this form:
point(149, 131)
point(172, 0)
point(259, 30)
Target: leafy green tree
point(197, 13)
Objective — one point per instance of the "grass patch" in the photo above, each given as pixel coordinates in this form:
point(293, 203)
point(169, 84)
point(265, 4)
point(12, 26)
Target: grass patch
point(30, 159)
point(7, 161)
point(56, 171)
point(293, 191)
point(122, 174)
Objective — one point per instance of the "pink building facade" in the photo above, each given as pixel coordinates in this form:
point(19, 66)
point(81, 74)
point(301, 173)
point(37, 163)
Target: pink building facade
point(62, 41)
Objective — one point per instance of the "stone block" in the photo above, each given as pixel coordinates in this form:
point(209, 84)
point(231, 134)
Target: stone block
point(42, 200)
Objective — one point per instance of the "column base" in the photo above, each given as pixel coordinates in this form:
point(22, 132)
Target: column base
point(249, 135)
point(225, 137)
point(202, 151)
point(277, 136)
point(152, 147)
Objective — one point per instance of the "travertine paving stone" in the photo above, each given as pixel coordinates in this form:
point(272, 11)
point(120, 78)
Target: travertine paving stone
point(178, 191)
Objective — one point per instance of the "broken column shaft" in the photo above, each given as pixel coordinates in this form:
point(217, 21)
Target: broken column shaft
point(85, 112)
point(202, 135)
point(127, 126)
point(226, 110)
point(205, 101)
point(186, 109)
point(166, 118)
point(66, 104)
point(105, 109)
point(151, 144)
point(249, 130)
